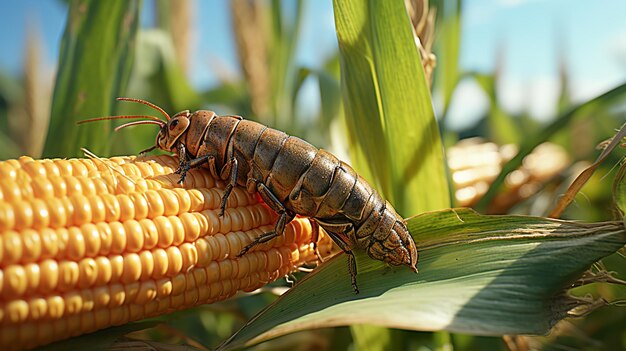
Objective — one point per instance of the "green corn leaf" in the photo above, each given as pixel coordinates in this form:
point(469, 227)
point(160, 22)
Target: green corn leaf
point(330, 103)
point(486, 275)
point(94, 66)
point(369, 337)
point(619, 189)
point(285, 29)
point(447, 49)
point(502, 127)
point(177, 91)
point(393, 133)
point(102, 339)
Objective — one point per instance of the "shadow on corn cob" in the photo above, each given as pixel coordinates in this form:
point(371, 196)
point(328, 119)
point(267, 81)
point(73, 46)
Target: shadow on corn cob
point(87, 244)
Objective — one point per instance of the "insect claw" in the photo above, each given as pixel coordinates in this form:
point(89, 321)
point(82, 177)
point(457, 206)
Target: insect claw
point(243, 251)
point(259, 240)
point(291, 279)
point(182, 170)
point(143, 152)
point(183, 175)
point(223, 206)
point(247, 248)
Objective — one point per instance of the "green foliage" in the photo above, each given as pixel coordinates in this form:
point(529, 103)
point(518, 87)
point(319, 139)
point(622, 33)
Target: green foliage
point(102, 340)
point(284, 36)
point(448, 48)
point(619, 189)
point(503, 129)
point(94, 67)
point(318, 132)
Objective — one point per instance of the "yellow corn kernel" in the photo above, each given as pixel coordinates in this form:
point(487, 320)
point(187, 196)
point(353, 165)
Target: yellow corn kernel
point(139, 292)
point(77, 209)
point(91, 240)
point(89, 244)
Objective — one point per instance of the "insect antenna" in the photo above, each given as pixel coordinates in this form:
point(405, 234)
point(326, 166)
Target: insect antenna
point(155, 119)
point(108, 164)
point(129, 124)
point(147, 104)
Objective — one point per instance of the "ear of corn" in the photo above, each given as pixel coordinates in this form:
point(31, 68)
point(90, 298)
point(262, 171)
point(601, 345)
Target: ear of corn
point(475, 164)
point(87, 244)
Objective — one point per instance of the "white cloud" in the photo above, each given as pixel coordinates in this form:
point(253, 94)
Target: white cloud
point(543, 96)
point(468, 104)
point(538, 95)
point(511, 94)
point(616, 47)
point(486, 11)
point(585, 88)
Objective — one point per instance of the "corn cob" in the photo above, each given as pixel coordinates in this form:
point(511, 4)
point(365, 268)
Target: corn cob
point(475, 164)
point(87, 244)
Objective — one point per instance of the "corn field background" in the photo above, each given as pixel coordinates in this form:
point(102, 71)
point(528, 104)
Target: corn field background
point(384, 99)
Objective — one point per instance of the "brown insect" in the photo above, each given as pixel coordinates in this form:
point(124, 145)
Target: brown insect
point(291, 176)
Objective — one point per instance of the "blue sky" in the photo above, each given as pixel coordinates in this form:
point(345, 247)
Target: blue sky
point(532, 35)
point(213, 39)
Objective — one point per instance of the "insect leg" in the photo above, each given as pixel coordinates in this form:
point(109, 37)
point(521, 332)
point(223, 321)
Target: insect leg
point(280, 227)
point(351, 260)
point(229, 169)
point(186, 164)
point(182, 161)
point(284, 218)
point(183, 165)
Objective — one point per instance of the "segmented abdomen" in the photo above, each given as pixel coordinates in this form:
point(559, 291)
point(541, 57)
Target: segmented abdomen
point(314, 183)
